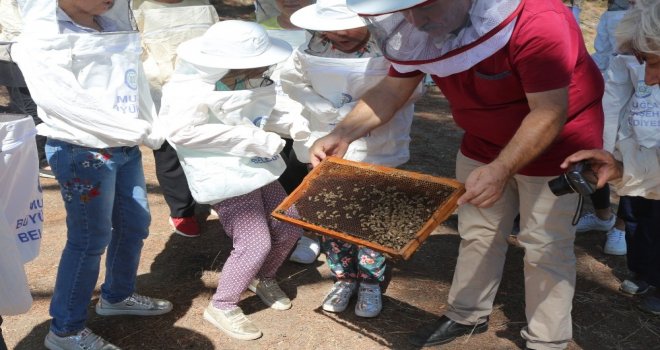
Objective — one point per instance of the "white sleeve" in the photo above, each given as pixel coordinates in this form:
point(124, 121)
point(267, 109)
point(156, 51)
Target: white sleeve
point(618, 91)
point(148, 112)
point(299, 88)
point(188, 125)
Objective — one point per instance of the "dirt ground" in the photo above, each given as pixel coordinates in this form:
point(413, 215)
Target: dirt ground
point(185, 271)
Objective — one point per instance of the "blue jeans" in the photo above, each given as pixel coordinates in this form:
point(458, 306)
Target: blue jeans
point(105, 198)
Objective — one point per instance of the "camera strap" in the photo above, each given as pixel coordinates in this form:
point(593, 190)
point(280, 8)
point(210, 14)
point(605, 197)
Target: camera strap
point(578, 210)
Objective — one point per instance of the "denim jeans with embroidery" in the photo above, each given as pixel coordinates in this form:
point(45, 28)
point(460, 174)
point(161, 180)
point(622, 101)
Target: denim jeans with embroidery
point(105, 197)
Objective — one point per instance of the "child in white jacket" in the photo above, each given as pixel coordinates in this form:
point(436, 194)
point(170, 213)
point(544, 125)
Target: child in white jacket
point(327, 76)
point(164, 25)
point(632, 118)
point(81, 62)
point(216, 105)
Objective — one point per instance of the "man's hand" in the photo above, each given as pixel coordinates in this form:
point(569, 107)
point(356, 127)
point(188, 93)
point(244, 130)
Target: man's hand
point(601, 162)
point(484, 185)
point(329, 145)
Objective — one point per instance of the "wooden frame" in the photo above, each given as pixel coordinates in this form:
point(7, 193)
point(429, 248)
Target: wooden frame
point(440, 214)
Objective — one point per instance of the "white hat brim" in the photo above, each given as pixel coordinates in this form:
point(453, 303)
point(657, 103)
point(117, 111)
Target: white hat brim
point(308, 18)
point(380, 7)
point(191, 51)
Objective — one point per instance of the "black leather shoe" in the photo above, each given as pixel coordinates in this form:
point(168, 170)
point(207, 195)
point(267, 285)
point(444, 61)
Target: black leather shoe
point(443, 331)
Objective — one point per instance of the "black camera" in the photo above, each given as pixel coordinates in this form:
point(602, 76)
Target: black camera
point(579, 178)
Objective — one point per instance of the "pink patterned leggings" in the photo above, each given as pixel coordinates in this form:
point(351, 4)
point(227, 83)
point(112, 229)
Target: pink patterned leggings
point(261, 243)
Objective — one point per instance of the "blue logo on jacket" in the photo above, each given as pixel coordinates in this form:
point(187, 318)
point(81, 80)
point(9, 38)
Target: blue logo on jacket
point(642, 90)
point(261, 160)
point(131, 79)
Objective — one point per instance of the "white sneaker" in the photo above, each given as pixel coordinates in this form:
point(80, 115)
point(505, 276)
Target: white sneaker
point(369, 301)
point(591, 222)
point(339, 295)
point(233, 322)
point(84, 339)
point(306, 251)
point(616, 242)
point(270, 293)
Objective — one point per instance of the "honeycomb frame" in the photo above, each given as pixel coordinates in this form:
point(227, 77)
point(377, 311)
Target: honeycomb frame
point(404, 194)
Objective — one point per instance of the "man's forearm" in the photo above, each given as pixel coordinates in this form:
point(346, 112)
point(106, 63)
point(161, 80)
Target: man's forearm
point(536, 133)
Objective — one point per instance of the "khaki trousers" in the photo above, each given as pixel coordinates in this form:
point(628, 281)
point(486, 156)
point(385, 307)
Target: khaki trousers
point(547, 236)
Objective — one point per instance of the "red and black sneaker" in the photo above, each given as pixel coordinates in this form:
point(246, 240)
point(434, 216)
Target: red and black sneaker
point(186, 226)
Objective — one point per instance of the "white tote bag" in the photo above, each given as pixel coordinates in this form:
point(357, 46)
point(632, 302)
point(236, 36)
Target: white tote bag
point(21, 214)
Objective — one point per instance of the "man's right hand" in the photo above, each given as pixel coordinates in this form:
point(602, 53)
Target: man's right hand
point(603, 163)
point(329, 145)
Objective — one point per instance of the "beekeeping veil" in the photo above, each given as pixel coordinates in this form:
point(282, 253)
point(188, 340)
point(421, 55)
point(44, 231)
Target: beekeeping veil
point(487, 27)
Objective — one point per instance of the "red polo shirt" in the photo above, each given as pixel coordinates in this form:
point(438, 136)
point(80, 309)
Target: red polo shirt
point(545, 52)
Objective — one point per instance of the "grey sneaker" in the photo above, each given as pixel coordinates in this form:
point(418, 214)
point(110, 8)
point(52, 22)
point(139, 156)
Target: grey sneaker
point(339, 296)
point(651, 304)
point(270, 293)
point(135, 304)
point(233, 322)
point(369, 301)
point(83, 340)
point(634, 287)
point(616, 242)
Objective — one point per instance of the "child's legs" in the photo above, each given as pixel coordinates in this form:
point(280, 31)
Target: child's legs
point(244, 220)
point(283, 236)
point(87, 179)
point(625, 214)
point(341, 258)
point(130, 223)
point(601, 201)
point(644, 244)
point(371, 265)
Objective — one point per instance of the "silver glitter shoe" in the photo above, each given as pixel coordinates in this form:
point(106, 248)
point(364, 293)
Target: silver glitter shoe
point(135, 304)
point(84, 339)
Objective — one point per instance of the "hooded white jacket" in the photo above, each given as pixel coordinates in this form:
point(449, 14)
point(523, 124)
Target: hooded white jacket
point(90, 88)
point(632, 127)
point(328, 88)
point(219, 136)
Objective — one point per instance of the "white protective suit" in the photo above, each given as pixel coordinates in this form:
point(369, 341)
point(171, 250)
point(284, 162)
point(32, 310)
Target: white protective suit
point(287, 111)
point(21, 210)
point(90, 88)
point(165, 26)
point(605, 41)
point(328, 88)
point(10, 25)
point(632, 127)
point(220, 136)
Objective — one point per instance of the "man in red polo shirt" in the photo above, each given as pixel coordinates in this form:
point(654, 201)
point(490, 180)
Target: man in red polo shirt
point(521, 84)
